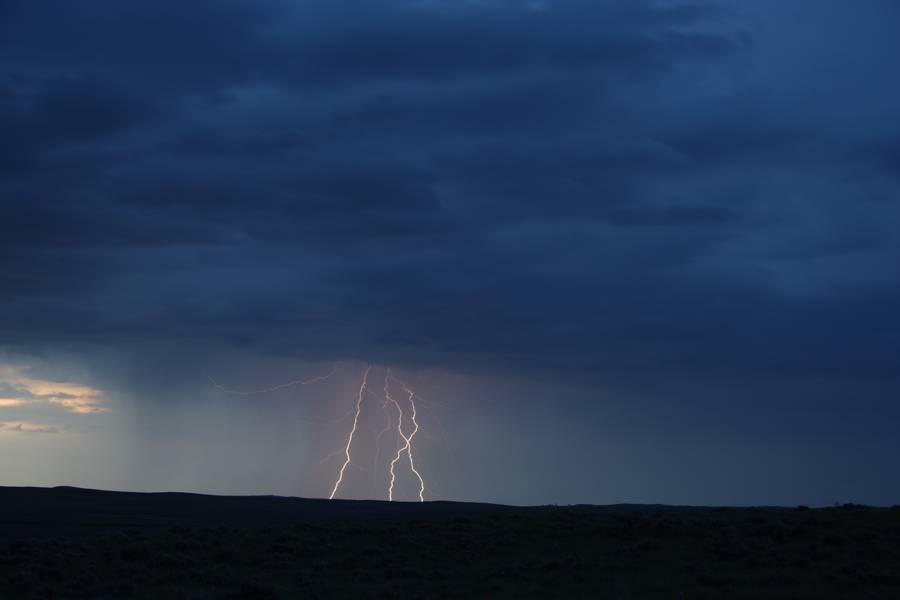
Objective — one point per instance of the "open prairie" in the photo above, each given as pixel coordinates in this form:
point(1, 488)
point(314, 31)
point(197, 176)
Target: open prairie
point(74, 543)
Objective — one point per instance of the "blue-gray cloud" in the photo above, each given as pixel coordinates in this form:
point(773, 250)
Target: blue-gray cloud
point(563, 184)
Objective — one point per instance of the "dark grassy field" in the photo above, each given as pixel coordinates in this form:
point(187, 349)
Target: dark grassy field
point(70, 543)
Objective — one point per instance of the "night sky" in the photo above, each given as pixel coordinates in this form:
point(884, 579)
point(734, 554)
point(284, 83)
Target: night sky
point(639, 251)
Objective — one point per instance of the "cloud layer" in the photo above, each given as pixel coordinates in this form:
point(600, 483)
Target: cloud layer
point(564, 184)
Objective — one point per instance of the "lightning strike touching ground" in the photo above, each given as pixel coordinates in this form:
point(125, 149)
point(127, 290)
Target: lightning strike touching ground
point(387, 426)
point(407, 446)
point(400, 435)
point(225, 390)
point(359, 399)
point(404, 442)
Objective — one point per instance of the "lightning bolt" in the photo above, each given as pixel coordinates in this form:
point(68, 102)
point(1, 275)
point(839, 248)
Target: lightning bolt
point(281, 386)
point(404, 442)
point(359, 399)
point(407, 446)
point(387, 427)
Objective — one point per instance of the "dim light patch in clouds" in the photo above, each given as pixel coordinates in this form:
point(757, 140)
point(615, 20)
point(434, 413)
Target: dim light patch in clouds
point(8, 402)
point(26, 427)
point(74, 397)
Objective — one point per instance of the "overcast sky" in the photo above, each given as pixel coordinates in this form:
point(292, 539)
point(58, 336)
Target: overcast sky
point(639, 251)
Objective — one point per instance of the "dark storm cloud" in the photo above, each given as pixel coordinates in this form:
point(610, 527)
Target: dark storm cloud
point(885, 154)
point(513, 184)
point(38, 116)
point(209, 142)
point(312, 43)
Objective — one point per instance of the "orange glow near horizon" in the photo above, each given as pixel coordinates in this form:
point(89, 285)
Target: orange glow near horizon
point(27, 427)
point(74, 397)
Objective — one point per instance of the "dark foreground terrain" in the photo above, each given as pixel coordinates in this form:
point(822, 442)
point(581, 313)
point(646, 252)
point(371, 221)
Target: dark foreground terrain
point(73, 543)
